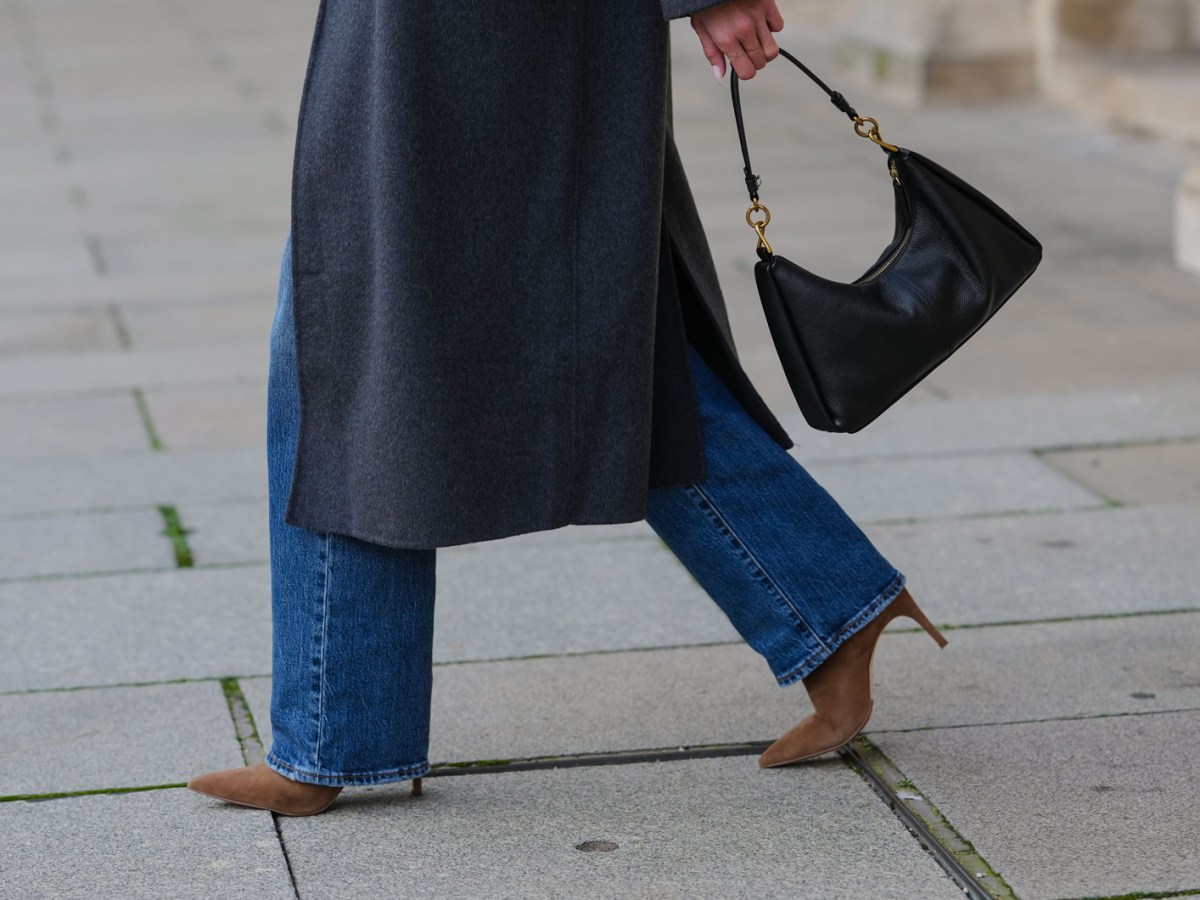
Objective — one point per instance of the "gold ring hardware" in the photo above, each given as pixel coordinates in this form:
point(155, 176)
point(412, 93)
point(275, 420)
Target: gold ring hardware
point(872, 132)
point(760, 225)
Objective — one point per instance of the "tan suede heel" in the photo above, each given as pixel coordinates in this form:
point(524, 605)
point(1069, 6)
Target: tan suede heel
point(842, 691)
point(261, 787)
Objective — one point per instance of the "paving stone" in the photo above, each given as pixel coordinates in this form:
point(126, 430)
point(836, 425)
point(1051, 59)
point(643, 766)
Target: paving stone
point(222, 533)
point(1096, 807)
point(69, 331)
point(153, 844)
point(609, 595)
point(119, 629)
point(100, 542)
point(243, 319)
point(1149, 473)
point(689, 696)
point(199, 623)
point(166, 289)
point(132, 479)
point(58, 373)
point(699, 828)
point(887, 490)
point(59, 741)
point(1133, 559)
point(70, 426)
point(1063, 351)
point(203, 418)
point(48, 260)
point(180, 252)
point(1050, 421)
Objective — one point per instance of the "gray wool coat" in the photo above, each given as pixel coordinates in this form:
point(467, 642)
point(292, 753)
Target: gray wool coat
point(497, 262)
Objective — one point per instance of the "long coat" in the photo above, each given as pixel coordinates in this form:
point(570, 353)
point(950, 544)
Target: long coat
point(496, 263)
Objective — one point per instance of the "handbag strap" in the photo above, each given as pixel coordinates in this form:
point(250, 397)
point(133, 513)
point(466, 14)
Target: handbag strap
point(836, 97)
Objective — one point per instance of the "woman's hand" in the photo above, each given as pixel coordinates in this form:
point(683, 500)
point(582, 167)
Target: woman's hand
point(741, 30)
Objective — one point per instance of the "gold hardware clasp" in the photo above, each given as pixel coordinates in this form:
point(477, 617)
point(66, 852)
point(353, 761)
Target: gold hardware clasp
point(872, 132)
point(760, 225)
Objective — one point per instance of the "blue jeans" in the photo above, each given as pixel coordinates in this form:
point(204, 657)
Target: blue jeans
point(352, 621)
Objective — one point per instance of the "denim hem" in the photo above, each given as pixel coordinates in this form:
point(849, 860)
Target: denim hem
point(414, 770)
point(889, 593)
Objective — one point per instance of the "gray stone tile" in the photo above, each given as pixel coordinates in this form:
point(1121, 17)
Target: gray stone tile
point(691, 696)
point(61, 260)
point(70, 426)
point(121, 845)
point(1097, 807)
point(117, 629)
point(166, 289)
point(1068, 350)
point(1010, 423)
point(889, 490)
point(132, 479)
point(59, 741)
point(1148, 473)
point(607, 595)
point(99, 542)
point(1044, 566)
point(183, 252)
point(220, 533)
point(701, 828)
point(238, 320)
point(59, 373)
point(204, 418)
point(66, 331)
point(1040, 671)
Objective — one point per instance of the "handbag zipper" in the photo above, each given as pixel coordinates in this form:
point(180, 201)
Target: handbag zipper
point(891, 258)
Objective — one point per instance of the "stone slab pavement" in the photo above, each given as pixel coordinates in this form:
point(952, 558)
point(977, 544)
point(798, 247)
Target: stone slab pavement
point(595, 717)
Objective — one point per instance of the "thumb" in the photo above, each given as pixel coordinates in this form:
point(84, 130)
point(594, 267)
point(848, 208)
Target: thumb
point(711, 52)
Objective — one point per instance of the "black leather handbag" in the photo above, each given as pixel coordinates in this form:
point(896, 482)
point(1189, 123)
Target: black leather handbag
point(852, 350)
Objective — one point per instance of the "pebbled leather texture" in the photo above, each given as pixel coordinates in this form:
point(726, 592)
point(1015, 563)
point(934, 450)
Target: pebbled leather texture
point(850, 351)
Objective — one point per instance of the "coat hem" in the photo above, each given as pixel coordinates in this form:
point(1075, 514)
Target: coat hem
point(353, 531)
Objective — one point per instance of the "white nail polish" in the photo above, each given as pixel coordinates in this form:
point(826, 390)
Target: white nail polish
point(717, 72)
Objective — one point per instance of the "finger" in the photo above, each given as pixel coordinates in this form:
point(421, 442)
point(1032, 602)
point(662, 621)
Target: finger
point(734, 41)
point(748, 29)
point(767, 42)
point(755, 52)
point(774, 17)
point(714, 56)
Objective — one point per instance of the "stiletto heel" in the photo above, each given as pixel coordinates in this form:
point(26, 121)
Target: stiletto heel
point(842, 690)
point(907, 606)
point(417, 789)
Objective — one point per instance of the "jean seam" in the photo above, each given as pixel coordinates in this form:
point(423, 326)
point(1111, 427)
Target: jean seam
point(322, 685)
point(882, 598)
point(772, 585)
point(411, 770)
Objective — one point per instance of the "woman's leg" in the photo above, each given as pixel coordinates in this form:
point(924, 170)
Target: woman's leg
point(793, 573)
point(352, 623)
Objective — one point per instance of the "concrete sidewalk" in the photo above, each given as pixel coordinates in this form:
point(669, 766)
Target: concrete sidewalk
point(596, 717)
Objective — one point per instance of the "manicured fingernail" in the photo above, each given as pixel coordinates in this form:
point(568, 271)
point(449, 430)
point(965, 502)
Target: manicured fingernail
point(717, 72)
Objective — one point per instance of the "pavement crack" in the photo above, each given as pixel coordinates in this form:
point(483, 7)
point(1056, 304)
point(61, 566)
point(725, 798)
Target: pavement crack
point(953, 852)
point(173, 529)
point(244, 728)
point(1083, 717)
point(143, 408)
point(612, 758)
point(65, 795)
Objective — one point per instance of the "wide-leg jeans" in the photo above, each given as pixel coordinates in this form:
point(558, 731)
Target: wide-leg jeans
point(352, 621)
